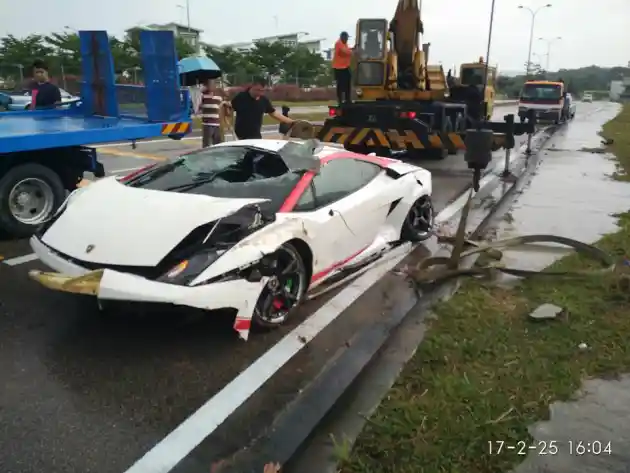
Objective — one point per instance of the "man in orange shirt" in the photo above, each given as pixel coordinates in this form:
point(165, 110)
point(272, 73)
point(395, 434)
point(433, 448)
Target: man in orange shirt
point(341, 66)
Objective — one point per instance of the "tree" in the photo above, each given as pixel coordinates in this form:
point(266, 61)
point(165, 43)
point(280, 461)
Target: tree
point(66, 51)
point(183, 48)
point(270, 58)
point(17, 54)
point(303, 66)
point(237, 67)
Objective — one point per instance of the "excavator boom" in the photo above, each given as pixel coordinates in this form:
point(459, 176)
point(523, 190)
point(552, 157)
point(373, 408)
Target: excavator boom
point(404, 103)
point(406, 27)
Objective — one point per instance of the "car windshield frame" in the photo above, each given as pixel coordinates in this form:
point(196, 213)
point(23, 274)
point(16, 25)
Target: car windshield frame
point(207, 171)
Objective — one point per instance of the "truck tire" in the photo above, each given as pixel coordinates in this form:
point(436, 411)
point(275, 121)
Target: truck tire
point(41, 192)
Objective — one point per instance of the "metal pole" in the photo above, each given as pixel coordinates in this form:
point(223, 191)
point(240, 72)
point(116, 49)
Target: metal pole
point(188, 14)
point(531, 41)
point(63, 77)
point(485, 76)
point(548, 54)
point(531, 33)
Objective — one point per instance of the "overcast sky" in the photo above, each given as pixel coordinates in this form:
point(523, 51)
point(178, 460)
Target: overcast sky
point(592, 32)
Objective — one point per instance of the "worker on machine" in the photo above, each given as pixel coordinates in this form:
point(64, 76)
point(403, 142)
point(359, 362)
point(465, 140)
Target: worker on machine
point(341, 65)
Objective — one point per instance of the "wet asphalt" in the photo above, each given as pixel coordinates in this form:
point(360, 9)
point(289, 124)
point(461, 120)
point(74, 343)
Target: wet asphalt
point(85, 393)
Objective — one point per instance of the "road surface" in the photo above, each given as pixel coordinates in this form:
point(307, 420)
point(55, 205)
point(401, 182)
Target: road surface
point(85, 393)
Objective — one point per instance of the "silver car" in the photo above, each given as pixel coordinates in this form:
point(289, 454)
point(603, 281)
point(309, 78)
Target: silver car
point(22, 101)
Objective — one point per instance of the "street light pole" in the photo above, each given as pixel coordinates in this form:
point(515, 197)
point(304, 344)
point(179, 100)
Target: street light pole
point(485, 75)
point(533, 13)
point(549, 43)
point(188, 14)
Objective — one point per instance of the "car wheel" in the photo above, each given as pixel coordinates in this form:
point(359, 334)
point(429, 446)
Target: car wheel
point(418, 224)
point(29, 195)
point(284, 290)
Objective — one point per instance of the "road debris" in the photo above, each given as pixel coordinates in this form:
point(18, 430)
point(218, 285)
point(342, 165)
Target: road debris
point(546, 312)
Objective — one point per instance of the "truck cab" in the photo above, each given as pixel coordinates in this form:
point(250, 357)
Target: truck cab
point(473, 74)
point(546, 98)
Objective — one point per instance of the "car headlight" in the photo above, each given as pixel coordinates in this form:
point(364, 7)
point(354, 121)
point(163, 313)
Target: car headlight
point(184, 272)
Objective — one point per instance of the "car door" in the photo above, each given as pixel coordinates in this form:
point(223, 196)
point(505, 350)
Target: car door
point(358, 194)
point(325, 229)
point(370, 194)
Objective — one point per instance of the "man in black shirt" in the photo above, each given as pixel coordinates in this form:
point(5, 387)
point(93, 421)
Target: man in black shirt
point(250, 107)
point(43, 93)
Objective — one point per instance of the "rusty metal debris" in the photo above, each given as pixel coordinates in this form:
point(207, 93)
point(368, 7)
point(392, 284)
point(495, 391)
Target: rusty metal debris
point(440, 268)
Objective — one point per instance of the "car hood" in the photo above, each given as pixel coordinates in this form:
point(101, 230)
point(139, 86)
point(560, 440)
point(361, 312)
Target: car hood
point(110, 223)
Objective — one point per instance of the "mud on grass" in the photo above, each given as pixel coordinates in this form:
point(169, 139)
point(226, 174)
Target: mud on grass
point(485, 371)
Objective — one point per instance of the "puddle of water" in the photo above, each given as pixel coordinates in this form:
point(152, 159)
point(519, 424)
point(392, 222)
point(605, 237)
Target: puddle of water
point(591, 434)
point(570, 195)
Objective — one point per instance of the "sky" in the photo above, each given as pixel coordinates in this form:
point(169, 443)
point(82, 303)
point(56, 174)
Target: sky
point(592, 32)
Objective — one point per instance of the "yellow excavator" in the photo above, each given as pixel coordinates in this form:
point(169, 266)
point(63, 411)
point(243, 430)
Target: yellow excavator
point(405, 104)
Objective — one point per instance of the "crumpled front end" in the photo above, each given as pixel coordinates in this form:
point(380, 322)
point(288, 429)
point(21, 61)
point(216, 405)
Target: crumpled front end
point(108, 284)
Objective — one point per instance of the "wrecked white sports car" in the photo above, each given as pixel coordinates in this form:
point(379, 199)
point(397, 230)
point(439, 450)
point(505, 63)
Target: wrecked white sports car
point(249, 225)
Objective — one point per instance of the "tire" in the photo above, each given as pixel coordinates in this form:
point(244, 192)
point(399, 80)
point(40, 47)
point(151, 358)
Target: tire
point(51, 190)
point(267, 314)
point(415, 230)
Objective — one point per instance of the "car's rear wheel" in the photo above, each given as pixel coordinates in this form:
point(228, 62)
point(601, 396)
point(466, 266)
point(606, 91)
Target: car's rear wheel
point(418, 224)
point(284, 290)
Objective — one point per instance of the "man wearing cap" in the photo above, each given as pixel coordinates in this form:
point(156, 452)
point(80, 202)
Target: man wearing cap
point(341, 65)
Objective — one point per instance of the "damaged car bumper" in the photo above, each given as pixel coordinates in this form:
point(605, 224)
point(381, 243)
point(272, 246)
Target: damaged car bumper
point(108, 284)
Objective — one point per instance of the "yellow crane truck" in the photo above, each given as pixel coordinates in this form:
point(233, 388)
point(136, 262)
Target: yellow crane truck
point(405, 104)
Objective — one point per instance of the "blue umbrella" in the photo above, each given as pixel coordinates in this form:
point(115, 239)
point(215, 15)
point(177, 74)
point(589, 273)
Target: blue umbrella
point(197, 69)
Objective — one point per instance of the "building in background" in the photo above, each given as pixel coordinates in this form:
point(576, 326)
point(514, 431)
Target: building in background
point(620, 90)
point(189, 35)
point(290, 40)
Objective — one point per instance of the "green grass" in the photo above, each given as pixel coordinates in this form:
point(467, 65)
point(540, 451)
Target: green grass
point(485, 371)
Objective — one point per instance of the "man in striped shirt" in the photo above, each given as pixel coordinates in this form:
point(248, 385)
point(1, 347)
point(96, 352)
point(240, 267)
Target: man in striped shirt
point(210, 109)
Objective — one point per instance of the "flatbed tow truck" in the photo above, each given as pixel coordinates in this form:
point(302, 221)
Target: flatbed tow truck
point(45, 153)
point(404, 103)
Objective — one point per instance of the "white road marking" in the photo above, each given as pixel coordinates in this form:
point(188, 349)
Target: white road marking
point(20, 259)
point(173, 448)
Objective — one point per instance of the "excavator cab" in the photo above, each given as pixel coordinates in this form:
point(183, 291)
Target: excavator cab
point(473, 74)
point(371, 58)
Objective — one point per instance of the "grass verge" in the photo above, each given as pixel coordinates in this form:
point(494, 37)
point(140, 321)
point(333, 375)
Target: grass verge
point(267, 120)
point(485, 371)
